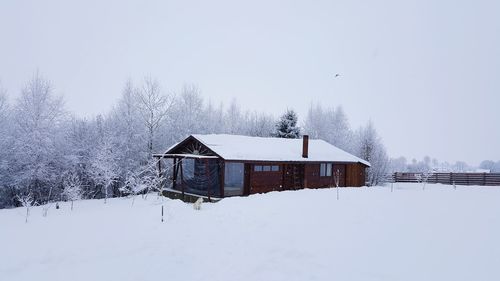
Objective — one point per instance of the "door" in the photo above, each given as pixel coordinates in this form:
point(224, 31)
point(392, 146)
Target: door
point(293, 176)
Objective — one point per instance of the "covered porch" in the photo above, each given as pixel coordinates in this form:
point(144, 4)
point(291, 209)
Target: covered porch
point(191, 174)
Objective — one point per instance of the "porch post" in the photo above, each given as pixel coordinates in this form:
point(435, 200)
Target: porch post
point(182, 178)
point(159, 166)
point(174, 175)
point(160, 187)
point(207, 174)
point(222, 170)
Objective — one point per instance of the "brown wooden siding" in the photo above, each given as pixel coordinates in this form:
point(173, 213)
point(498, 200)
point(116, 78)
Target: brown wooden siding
point(355, 175)
point(313, 178)
point(265, 181)
point(260, 182)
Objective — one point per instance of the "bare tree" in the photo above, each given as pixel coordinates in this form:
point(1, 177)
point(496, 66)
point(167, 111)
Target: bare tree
point(337, 176)
point(153, 108)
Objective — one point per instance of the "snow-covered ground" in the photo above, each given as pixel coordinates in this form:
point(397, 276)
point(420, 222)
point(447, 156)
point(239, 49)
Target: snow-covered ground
point(369, 234)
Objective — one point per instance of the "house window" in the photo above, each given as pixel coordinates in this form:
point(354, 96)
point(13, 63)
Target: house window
point(325, 170)
point(266, 168)
point(233, 179)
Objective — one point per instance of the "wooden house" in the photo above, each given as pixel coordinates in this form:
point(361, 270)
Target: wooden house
point(217, 166)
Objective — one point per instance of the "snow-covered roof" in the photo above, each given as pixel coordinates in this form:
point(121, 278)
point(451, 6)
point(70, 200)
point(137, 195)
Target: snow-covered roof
point(235, 147)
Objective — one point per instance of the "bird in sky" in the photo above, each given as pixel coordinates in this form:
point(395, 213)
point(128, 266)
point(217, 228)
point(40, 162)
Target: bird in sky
point(337, 75)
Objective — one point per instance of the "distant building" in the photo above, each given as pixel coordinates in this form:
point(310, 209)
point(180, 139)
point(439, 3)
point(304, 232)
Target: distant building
point(218, 166)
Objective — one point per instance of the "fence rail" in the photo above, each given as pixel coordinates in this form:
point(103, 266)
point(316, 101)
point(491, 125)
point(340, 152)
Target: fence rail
point(487, 179)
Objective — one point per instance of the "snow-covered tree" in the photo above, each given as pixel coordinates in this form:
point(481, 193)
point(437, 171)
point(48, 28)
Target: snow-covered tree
point(38, 119)
point(81, 141)
point(127, 131)
point(460, 167)
point(213, 119)
point(72, 188)
point(188, 112)
point(330, 125)
point(398, 165)
point(371, 149)
point(488, 165)
point(419, 166)
point(104, 170)
point(4, 132)
point(315, 122)
point(259, 125)
point(27, 201)
point(340, 131)
point(7, 190)
point(233, 119)
point(154, 107)
point(286, 127)
point(3, 104)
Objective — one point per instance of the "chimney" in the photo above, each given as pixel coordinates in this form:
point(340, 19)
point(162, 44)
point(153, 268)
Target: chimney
point(305, 146)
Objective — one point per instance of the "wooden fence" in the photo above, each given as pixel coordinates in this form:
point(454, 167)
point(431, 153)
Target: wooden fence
point(489, 179)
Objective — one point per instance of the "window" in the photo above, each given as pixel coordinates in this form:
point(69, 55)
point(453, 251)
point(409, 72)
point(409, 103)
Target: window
point(325, 170)
point(233, 179)
point(266, 168)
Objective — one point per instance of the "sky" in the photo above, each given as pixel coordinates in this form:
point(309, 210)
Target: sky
point(427, 73)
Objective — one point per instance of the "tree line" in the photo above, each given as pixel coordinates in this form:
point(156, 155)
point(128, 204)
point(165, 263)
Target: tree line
point(49, 154)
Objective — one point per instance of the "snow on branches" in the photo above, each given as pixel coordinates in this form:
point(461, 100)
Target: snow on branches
point(286, 127)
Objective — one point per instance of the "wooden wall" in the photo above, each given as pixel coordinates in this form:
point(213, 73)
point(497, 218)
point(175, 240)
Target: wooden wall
point(261, 182)
point(313, 178)
point(355, 175)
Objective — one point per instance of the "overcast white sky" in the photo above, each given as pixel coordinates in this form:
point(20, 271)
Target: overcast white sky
point(426, 72)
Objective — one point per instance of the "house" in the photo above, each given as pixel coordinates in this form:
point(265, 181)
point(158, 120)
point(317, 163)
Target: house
point(217, 166)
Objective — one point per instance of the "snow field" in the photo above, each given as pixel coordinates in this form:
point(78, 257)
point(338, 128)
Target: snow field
point(369, 234)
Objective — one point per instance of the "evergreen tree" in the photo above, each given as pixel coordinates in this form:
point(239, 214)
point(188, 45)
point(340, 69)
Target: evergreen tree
point(287, 126)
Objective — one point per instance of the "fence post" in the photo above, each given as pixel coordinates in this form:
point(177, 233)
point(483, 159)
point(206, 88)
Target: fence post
point(484, 178)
